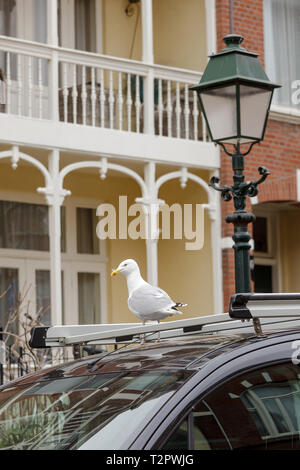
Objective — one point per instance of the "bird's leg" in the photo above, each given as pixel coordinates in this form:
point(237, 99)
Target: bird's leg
point(158, 334)
point(143, 336)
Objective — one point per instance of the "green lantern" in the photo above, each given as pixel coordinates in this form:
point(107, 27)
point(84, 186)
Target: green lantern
point(235, 95)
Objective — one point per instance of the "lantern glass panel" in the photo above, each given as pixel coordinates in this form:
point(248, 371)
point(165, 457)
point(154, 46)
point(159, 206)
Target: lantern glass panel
point(254, 105)
point(220, 109)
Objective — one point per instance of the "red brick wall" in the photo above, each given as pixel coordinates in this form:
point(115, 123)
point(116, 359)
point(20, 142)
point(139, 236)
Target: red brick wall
point(280, 150)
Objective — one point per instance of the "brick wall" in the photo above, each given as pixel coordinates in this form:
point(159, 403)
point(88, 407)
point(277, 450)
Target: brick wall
point(280, 150)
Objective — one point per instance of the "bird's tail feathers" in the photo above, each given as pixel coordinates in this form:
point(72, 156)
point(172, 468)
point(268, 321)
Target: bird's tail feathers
point(178, 304)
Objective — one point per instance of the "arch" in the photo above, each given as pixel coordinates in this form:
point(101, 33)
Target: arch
point(104, 165)
point(15, 155)
point(184, 175)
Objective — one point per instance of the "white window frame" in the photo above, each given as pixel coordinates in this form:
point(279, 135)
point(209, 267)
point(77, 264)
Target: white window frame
point(28, 261)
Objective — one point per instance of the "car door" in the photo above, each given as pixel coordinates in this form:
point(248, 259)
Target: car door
point(251, 401)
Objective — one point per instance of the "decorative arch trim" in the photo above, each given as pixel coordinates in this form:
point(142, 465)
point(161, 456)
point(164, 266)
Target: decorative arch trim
point(16, 155)
point(184, 175)
point(103, 165)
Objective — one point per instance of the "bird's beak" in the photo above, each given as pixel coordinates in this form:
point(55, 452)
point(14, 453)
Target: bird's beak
point(115, 272)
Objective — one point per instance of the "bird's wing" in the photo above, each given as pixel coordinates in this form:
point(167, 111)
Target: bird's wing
point(149, 299)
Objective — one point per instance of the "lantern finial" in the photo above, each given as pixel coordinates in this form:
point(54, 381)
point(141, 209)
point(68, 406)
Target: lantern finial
point(233, 41)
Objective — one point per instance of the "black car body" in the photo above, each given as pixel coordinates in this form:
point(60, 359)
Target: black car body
point(213, 391)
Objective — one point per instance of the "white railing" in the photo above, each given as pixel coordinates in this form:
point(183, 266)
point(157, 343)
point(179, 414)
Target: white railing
point(77, 87)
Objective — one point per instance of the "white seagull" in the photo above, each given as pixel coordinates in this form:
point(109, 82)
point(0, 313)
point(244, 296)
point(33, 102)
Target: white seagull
point(145, 301)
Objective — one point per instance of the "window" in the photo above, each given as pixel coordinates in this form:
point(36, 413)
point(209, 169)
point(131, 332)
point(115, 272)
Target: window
point(86, 221)
point(9, 300)
point(25, 261)
point(260, 233)
point(25, 19)
point(90, 412)
point(89, 298)
point(80, 24)
point(85, 25)
point(282, 55)
point(179, 438)
point(257, 410)
point(43, 295)
point(265, 274)
point(8, 18)
point(25, 226)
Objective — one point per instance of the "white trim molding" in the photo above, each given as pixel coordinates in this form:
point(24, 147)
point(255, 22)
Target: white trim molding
point(298, 183)
point(284, 114)
point(211, 30)
point(90, 140)
point(227, 243)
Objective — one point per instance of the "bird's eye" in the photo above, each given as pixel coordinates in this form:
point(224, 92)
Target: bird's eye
point(125, 264)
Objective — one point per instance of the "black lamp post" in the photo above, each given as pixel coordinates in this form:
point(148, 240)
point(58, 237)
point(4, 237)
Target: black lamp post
point(235, 96)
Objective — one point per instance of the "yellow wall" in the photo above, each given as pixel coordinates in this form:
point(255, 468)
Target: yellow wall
point(121, 34)
point(185, 275)
point(290, 250)
point(179, 32)
point(86, 185)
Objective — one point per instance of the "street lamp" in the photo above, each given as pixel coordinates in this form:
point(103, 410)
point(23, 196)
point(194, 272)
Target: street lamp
point(235, 96)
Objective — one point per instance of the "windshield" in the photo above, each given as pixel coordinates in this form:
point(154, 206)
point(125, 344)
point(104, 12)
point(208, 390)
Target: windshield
point(90, 412)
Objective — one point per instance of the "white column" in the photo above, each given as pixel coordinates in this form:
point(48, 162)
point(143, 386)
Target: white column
point(216, 247)
point(148, 58)
point(147, 31)
point(53, 63)
point(151, 209)
point(55, 200)
point(52, 22)
point(211, 30)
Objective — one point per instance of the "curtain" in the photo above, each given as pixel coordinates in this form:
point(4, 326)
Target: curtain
point(89, 298)
point(85, 25)
point(87, 241)
point(282, 39)
point(40, 20)
point(7, 28)
point(8, 18)
point(24, 226)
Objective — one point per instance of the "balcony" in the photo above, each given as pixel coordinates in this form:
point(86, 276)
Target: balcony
point(70, 86)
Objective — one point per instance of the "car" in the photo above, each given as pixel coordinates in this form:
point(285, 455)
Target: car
point(215, 384)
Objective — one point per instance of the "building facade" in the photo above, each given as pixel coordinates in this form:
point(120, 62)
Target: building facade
point(95, 104)
point(271, 28)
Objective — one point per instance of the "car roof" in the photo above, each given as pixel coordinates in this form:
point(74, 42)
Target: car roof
point(186, 353)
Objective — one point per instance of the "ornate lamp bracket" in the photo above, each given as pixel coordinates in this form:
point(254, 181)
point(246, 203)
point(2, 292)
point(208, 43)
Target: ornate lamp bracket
point(240, 190)
point(240, 219)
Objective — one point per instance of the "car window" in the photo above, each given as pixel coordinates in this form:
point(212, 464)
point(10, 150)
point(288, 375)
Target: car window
point(179, 438)
point(258, 410)
point(97, 411)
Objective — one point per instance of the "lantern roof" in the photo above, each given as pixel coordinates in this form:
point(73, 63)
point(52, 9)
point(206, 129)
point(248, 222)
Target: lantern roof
point(234, 64)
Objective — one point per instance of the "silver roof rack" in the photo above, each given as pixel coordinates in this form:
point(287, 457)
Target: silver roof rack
point(251, 306)
point(275, 311)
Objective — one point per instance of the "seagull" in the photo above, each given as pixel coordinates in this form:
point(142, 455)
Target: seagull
point(145, 301)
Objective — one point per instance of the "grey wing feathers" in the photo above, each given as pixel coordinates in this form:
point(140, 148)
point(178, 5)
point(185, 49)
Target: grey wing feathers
point(148, 299)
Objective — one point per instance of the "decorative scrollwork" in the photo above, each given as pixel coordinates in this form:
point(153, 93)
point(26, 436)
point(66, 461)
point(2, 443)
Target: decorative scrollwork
point(252, 185)
point(225, 191)
point(240, 191)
